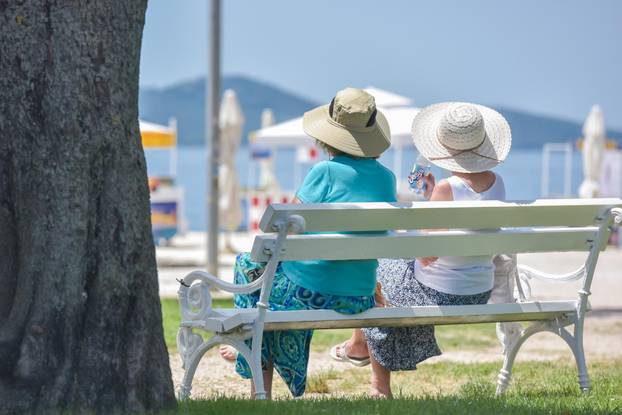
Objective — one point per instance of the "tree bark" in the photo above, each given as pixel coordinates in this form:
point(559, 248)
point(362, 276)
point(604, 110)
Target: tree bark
point(80, 318)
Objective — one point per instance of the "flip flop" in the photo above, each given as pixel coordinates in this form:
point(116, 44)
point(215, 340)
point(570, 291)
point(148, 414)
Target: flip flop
point(336, 355)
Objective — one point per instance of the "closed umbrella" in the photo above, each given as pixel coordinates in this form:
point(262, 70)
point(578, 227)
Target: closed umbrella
point(593, 149)
point(231, 121)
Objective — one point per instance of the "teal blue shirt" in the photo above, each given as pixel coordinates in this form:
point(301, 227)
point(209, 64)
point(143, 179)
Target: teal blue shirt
point(342, 179)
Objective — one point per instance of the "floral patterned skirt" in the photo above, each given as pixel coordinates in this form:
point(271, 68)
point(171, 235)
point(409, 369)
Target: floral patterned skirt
point(402, 348)
point(288, 350)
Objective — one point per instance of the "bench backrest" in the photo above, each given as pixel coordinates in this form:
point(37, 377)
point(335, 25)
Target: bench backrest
point(476, 228)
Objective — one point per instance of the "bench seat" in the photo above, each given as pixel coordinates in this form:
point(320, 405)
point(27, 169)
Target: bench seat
point(231, 318)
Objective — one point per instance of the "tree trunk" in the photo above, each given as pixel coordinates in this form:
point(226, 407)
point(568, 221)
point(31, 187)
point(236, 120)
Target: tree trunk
point(80, 318)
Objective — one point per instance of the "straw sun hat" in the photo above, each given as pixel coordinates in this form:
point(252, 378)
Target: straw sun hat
point(462, 137)
point(350, 123)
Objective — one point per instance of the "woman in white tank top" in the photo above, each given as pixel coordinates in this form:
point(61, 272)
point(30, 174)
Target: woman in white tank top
point(462, 275)
point(467, 140)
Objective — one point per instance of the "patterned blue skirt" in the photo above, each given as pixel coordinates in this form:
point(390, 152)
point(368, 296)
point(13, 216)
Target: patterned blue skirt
point(402, 348)
point(288, 350)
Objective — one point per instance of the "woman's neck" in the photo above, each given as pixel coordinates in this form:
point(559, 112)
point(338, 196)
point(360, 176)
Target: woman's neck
point(472, 176)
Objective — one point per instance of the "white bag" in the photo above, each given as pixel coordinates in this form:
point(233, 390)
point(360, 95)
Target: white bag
point(506, 275)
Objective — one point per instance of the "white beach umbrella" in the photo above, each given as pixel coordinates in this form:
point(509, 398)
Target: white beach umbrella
point(386, 99)
point(593, 149)
point(267, 179)
point(231, 123)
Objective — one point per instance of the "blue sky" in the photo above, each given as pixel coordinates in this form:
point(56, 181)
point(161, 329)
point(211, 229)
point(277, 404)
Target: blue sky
point(552, 57)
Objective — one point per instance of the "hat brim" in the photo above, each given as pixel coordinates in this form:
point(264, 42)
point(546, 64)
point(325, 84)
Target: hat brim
point(491, 153)
point(364, 142)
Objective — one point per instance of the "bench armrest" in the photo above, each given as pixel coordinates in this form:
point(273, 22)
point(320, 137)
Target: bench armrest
point(209, 279)
point(526, 273)
point(195, 297)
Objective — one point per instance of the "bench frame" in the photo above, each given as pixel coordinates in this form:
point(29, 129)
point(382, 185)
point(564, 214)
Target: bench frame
point(198, 314)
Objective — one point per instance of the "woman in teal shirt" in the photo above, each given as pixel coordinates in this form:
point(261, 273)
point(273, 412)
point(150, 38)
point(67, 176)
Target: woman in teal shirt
point(354, 133)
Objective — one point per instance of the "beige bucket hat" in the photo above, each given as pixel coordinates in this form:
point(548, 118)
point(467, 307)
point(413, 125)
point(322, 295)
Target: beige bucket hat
point(350, 123)
point(462, 137)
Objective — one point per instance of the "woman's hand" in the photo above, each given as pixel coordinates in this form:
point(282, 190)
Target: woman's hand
point(427, 260)
point(430, 182)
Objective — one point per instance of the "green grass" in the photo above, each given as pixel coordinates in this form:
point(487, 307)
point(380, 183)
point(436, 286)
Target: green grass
point(471, 336)
point(467, 337)
point(537, 388)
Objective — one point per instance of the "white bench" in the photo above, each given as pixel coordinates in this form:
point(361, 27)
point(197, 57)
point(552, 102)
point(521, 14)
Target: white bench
point(476, 228)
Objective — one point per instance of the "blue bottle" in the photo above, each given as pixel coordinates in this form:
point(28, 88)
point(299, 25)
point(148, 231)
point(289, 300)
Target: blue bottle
point(416, 177)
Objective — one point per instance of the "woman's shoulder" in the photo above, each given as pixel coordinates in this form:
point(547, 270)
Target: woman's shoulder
point(320, 168)
point(321, 165)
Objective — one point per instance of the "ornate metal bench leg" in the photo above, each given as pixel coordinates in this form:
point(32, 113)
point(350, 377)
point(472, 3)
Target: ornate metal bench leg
point(192, 348)
point(511, 350)
point(503, 380)
point(260, 391)
point(253, 362)
point(505, 374)
point(576, 345)
point(579, 355)
point(255, 358)
point(508, 334)
point(184, 389)
point(584, 379)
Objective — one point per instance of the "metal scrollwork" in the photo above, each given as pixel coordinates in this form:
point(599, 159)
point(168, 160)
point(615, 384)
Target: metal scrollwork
point(187, 343)
point(195, 298)
point(616, 215)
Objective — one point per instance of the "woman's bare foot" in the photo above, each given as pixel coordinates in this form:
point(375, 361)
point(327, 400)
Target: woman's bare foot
point(380, 381)
point(380, 394)
point(228, 353)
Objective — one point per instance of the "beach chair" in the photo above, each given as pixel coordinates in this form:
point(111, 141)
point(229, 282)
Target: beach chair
point(412, 229)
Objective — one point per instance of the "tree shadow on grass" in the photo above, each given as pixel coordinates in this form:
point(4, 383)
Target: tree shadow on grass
point(427, 405)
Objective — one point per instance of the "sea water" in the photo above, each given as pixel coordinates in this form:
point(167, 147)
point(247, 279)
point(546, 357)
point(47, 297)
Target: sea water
point(521, 173)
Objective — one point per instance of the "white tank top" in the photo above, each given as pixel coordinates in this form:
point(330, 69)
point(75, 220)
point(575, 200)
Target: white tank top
point(463, 275)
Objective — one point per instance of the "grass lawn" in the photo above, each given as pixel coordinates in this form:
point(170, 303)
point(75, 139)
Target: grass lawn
point(547, 387)
point(537, 388)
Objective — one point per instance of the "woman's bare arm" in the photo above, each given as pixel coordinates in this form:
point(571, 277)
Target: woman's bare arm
point(441, 192)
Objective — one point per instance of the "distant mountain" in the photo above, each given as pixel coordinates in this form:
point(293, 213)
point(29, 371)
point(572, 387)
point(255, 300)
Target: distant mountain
point(186, 101)
point(532, 131)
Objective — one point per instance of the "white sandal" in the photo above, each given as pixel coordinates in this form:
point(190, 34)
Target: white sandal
point(338, 354)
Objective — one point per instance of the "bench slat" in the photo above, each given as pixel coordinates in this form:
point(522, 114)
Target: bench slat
point(392, 316)
point(422, 243)
point(331, 217)
point(413, 316)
